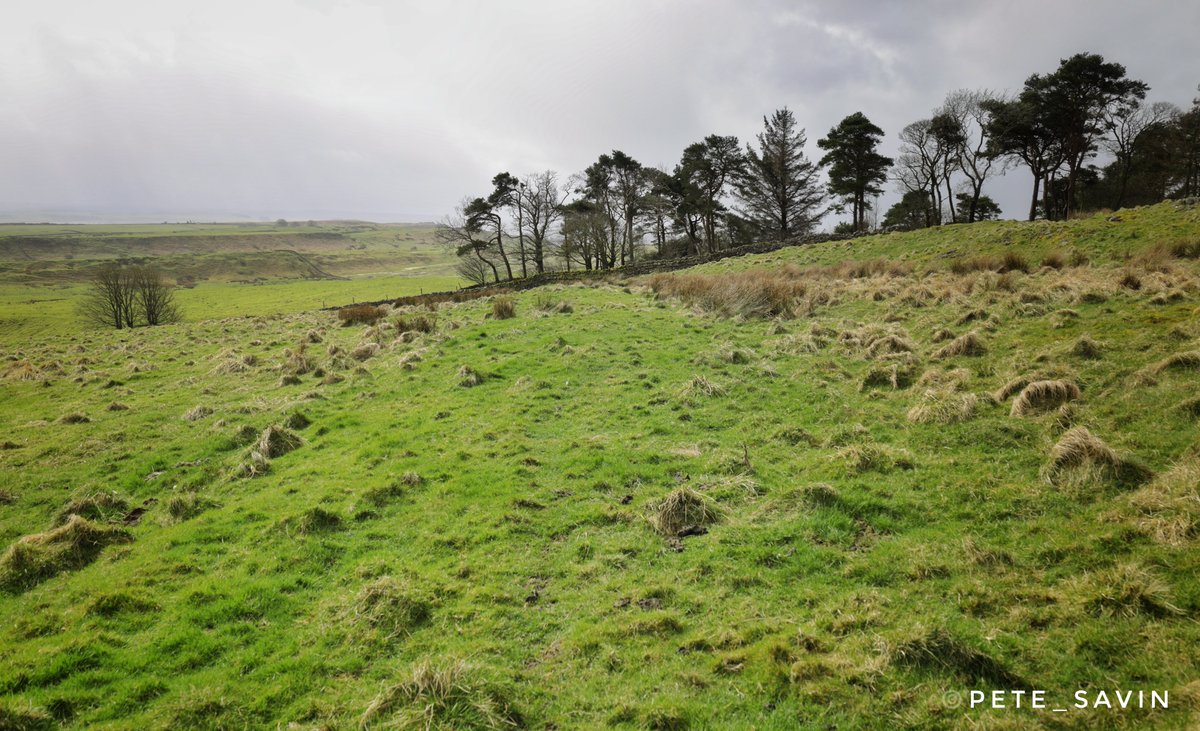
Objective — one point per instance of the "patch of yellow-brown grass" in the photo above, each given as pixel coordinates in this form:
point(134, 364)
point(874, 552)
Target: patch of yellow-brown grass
point(1082, 459)
point(1039, 397)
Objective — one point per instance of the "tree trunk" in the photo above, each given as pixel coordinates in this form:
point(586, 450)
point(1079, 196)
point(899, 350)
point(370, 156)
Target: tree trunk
point(1037, 180)
point(500, 245)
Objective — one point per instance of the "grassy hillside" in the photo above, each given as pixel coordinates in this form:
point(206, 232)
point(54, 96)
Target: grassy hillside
point(832, 486)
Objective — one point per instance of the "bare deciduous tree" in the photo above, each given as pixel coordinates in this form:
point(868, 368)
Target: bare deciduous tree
point(153, 297)
point(124, 297)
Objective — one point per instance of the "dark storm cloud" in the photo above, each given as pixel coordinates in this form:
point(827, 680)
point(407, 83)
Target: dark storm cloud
point(396, 110)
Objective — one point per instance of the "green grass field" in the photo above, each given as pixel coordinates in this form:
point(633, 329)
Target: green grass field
point(620, 508)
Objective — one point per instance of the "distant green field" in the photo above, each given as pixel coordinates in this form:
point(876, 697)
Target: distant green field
point(931, 471)
point(225, 269)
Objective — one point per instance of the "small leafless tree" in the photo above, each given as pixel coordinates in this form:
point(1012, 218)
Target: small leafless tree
point(153, 298)
point(109, 301)
point(124, 297)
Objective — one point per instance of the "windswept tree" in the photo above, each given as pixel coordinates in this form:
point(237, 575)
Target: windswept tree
point(463, 233)
point(779, 189)
point(706, 171)
point(1017, 130)
point(856, 169)
point(1074, 102)
point(485, 214)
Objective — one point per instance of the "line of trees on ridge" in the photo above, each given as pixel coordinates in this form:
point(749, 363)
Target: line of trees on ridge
point(722, 193)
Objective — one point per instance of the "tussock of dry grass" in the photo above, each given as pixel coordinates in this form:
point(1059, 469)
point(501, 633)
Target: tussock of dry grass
point(503, 308)
point(1125, 590)
point(468, 377)
point(888, 345)
point(944, 407)
point(1130, 281)
point(701, 386)
point(940, 651)
point(71, 545)
point(1187, 361)
point(96, 506)
point(1080, 458)
point(418, 323)
point(360, 315)
point(1190, 406)
point(1039, 397)
point(951, 379)
point(1013, 386)
point(1168, 509)
point(1087, 348)
point(1008, 262)
point(860, 458)
point(187, 505)
point(446, 697)
point(895, 375)
point(754, 293)
point(969, 344)
point(196, 413)
point(683, 511)
point(387, 606)
point(364, 352)
point(277, 441)
point(23, 370)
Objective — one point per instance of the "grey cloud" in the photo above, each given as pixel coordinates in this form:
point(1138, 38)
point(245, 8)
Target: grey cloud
point(396, 110)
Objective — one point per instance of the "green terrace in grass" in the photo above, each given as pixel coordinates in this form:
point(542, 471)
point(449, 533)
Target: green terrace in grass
point(796, 490)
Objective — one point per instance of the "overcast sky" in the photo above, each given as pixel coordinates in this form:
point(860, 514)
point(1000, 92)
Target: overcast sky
point(389, 110)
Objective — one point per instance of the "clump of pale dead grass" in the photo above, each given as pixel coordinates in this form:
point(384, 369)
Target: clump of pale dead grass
point(944, 407)
point(1186, 361)
point(683, 512)
point(701, 386)
point(449, 696)
point(1038, 397)
point(387, 606)
point(1168, 508)
point(894, 375)
point(941, 651)
point(860, 458)
point(890, 344)
point(969, 344)
point(98, 506)
point(1124, 590)
point(468, 377)
point(952, 379)
point(366, 351)
point(503, 308)
point(753, 293)
point(71, 545)
point(277, 441)
point(1087, 348)
point(196, 413)
point(1082, 459)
